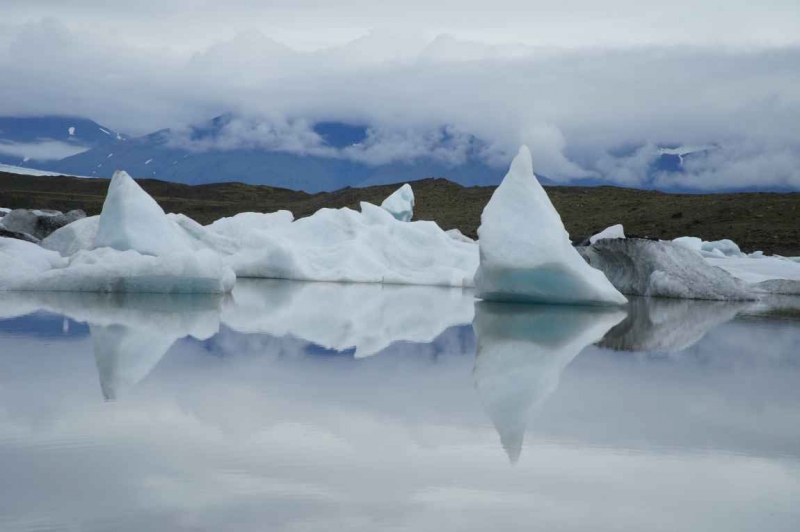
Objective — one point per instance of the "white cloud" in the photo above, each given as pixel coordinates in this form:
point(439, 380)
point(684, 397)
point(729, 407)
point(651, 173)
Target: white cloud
point(46, 150)
point(573, 105)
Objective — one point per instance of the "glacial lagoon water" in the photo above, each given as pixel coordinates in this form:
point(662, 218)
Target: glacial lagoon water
point(303, 406)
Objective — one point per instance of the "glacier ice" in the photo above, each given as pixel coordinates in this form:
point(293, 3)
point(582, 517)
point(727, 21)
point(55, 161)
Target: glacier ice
point(662, 269)
point(131, 247)
point(74, 237)
point(456, 234)
point(525, 252)
point(132, 220)
point(400, 203)
point(615, 231)
point(776, 275)
point(522, 351)
point(371, 246)
point(246, 226)
point(36, 223)
point(109, 270)
point(716, 248)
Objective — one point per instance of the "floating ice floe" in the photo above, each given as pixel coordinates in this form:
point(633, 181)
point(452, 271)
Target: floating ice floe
point(662, 269)
point(331, 245)
point(521, 353)
point(37, 224)
point(371, 246)
point(400, 203)
point(716, 248)
point(525, 251)
point(615, 231)
point(246, 227)
point(136, 248)
point(72, 238)
point(771, 274)
point(775, 275)
point(456, 234)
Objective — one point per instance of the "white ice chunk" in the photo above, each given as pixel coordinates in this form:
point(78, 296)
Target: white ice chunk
point(400, 203)
point(662, 269)
point(727, 247)
point(776, 275)
point(716, 248)
point(615, 231)
point(109, 270)
point(456, 234)
point(690, 242)
point(246, 228)
point(21, 260)
point(71, 131)
point(136, 248)
point(522, 351)
point(371, 246)
point(74, 237)
point(132, 220)
point(525, 252)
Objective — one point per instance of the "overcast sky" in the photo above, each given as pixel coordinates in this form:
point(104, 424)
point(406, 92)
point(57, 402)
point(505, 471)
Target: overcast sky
point(575, 79)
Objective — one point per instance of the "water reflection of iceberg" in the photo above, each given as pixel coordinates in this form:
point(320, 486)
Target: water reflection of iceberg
point(521, 352)
point(366, 317)
point(131, 332)
point(668, 325)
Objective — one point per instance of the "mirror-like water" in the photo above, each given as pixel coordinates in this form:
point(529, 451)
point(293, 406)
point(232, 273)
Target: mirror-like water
point(303, 406)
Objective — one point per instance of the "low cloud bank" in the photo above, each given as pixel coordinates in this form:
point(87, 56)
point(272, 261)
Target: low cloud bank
point(587, 114)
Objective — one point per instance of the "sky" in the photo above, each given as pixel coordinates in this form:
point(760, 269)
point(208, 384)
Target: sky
point(594, 88)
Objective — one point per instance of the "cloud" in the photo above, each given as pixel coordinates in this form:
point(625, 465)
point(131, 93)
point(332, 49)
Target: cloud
point(575, 106)
point(47, 150)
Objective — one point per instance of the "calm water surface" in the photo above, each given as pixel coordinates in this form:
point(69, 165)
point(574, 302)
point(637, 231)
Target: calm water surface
point(298, 407)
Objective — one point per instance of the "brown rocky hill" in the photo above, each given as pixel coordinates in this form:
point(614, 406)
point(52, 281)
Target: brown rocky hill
point(756, 221)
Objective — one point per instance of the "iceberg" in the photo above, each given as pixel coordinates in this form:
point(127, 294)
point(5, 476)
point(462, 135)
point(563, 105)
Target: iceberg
point(108, 270)
point(364, 317)
point(522, 351)
point(400, 203)
point(74, 237)
point(662, 269)
point(132, 220)
point(716, 248)
point(777, 275)
point(131, 247)
point(456, 234)
point(37, 224)
point(246, 226)
point(525, 251)
point(371, 246)
point(615, 231)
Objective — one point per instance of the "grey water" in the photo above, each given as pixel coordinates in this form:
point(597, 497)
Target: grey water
point(313, 406)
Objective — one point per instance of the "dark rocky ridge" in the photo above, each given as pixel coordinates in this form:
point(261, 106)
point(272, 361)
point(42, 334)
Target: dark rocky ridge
point(756, 221)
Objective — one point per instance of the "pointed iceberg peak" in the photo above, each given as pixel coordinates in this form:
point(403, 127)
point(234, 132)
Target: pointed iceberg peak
point(400, 203)
point(132, 220)
point(525, 251)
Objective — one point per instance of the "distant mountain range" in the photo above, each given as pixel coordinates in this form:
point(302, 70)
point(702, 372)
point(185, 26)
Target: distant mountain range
point(77, 146)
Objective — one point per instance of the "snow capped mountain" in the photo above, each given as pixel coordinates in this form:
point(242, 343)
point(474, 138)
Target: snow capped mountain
point(313, 157)
point(30, 141)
